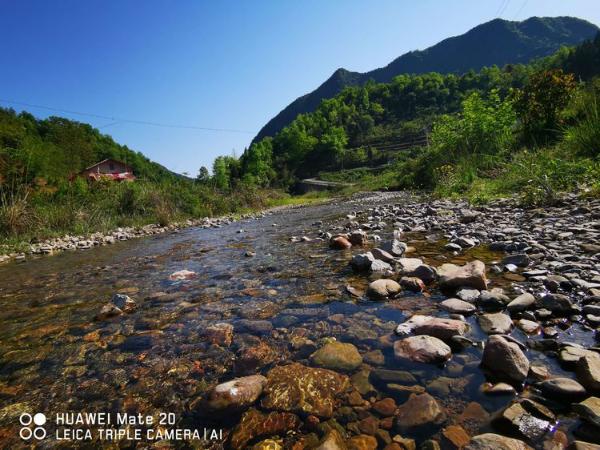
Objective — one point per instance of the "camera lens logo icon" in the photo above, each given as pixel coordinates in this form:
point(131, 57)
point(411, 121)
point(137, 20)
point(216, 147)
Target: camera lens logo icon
point(38, 432)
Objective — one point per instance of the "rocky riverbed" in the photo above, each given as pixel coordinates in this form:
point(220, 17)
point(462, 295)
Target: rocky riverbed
point(381, 322)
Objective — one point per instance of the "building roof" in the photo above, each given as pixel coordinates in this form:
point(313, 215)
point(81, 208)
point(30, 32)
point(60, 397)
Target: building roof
point(106, 160)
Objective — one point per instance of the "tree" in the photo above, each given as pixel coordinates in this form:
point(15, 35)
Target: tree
point(203, 175)
point(540, 102)
point(257, 163)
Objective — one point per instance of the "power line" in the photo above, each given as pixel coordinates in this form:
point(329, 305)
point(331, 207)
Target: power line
point(504, 9)
point(115, 120)
point(520, 9)
point(500, 8)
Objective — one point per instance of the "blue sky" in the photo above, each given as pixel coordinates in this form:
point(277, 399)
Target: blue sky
point(217, 64)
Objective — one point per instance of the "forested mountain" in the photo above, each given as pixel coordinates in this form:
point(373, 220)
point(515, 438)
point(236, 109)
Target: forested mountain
point(498, 42)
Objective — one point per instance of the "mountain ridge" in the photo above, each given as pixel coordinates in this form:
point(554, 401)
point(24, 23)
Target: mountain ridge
point(497, 42)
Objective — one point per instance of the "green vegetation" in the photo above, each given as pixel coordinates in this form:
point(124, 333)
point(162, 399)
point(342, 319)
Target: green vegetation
point(529, 129)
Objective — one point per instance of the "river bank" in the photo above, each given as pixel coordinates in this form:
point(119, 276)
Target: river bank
point(383, 321)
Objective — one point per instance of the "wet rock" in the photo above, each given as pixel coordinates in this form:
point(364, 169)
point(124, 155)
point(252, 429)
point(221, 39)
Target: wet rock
point(362, 442)
point(413, 284)
point(333, 440)
point(182, 275)
point(471, 275)
point(589, 410)
point(235, 395)
point(454, 437)
point(254, 326)
point(383, 289)
point(468, 295)
point(408, 265)
point(493, 300)
point(393, 376)
point(557, 303)
point(298, 388)
point(383, 255)
point(138, 343)
point(444, 329)
point(425, 349)
point(369, 425)
point(339, 243)
point(499, 389)
point(529, 326)
point(522, 422)
point(219, 334)
point(385, 407)
point(504, 360)
point(108, 311)
point(419, 411)
point(457, 306)
point(360, 381)
point(570, 355)
point(251, 358)
point(397, 248)
point(358, 237)
point(337, 356)
point(498, 323)
point(124, 303)
point(491, 441)
point(374, 357)
point(562, 389)
point(255, 424)
point(588, 372)
point(379, 266)
point(519, 260)
point(521, 303)
point(362, 262)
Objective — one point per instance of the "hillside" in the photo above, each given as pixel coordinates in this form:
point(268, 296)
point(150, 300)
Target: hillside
point(498, 42)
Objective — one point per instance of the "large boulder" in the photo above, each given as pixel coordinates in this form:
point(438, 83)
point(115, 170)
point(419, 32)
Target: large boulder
point(337, 356)
point(491, 441)
point(470, 275)
point(255, 424)
point(444, 329)
point(504, 360)
point(418, 412)
point(495, 323)
point(588, 372)
point(383, 289)
point(235, 395)
point(425, 349)
point(297, 388)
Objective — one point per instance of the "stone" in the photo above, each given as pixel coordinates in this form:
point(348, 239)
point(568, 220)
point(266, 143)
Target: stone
point(392, 376)
point(454, 437)
point(523, 423)
point(419, 411)
point(588, 372)
point(492, 441)
point(504, 360)
point(333, 440)
point(557, 303)
point(529, 326)
point(108, 311)
point(369, 425)
point(397, 248)
point(182, 275)
point(457, 306)
point(124, 303)
point(493, 300)
point(379, 266)
point(408, 265)
point(570, 355)
point(383, 289)
point(385, 407)
point(255, 424)
point(362, 442)
point(498, 323)
point(562, 389)
point(424, 272)
point(362, 262)
point(219, 334)
point(267, 444)
point(383, 256)
point(471, 275)
point(358, 237)
point(444, 329)
point(468, 295)
point(413, 284)
point(339, 243)
point(297, 388)
point(235, 395)
point(425, 349)
point(589, 410)
point(337, 356)
point(253, 357)
point(521, 303)
point(519, 260)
